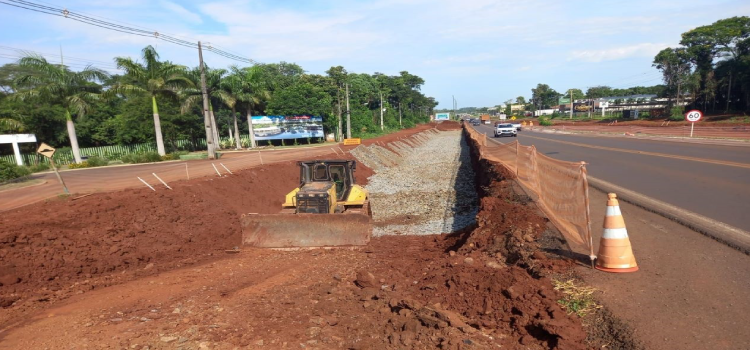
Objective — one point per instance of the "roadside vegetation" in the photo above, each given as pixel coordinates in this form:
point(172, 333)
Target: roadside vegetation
point(158, 102)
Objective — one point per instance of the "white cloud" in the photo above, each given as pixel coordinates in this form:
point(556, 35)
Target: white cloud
point(181, 11)
point(617, 53)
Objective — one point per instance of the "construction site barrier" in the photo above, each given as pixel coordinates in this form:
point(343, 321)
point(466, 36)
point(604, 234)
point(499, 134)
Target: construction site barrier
point(354, 141)
point(559, 188)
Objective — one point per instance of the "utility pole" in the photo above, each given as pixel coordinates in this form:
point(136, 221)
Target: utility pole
point(571, 103)
point(340, 131)
point(454, 105)
point(348, 114)
point(206, 117)
point(381, 111)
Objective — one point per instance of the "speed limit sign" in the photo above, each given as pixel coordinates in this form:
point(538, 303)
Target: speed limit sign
point(693, 116)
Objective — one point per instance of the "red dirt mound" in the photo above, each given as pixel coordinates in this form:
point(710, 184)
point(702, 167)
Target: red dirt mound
point(106, 238)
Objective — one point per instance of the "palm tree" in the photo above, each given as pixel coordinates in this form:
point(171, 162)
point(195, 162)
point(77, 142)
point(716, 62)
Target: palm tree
point(193, 96)
point(245, 85)
point(56, 84)
point(153, 78)
point(10, 121)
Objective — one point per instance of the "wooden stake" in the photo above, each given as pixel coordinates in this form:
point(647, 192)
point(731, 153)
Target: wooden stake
point(162, 181)
point(217, 170)
point(227, 169)
point(146, 183)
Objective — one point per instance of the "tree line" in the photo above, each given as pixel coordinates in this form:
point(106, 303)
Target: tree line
point(711, 67)
point(156, 100)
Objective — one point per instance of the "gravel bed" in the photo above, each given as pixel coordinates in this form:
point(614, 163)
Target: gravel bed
point(422, 185)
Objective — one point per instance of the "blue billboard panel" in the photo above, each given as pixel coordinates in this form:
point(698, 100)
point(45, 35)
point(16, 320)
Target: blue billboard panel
point(442, 116)
point(279, 127)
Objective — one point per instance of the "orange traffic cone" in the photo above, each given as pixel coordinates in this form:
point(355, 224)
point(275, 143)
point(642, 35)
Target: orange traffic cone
point(615, 252)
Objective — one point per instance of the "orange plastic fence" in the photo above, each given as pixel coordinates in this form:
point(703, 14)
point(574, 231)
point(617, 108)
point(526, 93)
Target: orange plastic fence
point(560, 187)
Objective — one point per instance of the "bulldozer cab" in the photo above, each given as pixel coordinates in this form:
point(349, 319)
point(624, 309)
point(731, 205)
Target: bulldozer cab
point(327, 210)
point(338, 172)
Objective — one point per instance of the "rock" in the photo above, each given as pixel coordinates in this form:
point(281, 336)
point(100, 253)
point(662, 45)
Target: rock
point(493, 265)
point(149, 266)
point(168, 339)
point(9, 279)
point(487, 305)
point(452, 253)
point(259, 342)
point(176, 310)
point(313, 332)
point(469, 261)
point(511, 293)
point(365, 279)
point(368, 294)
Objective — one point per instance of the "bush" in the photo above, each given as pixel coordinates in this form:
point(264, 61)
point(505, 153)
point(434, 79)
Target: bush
point(81, 165)
point(9, 171)
point(544, 121)
point(676, 113)
point(97, 161)
point(147, 157)
point(39, 167)
point(174, 155)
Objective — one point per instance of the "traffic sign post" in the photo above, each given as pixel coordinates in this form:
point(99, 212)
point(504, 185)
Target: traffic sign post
point(693, 117)
point(49, 151)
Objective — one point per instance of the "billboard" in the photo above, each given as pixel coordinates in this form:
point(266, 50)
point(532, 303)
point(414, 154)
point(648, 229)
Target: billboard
point(564, 100)
point(581, 107)
point(279, 127)
point(442, 116)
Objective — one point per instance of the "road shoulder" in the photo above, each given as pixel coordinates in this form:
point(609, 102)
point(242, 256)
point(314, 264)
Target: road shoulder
point(690, 291)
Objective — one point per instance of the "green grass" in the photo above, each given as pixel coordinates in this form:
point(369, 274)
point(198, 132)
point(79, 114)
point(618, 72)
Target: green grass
point(576, 299)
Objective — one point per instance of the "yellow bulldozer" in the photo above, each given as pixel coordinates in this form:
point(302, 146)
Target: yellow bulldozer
point(327, 210)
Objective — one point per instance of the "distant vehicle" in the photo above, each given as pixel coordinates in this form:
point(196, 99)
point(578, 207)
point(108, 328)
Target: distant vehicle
point(505, 130)
point(475, 122)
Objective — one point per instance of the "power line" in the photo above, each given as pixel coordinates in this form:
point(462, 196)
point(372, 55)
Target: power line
point(15, 58)
point(122, 28)
point(54, 57)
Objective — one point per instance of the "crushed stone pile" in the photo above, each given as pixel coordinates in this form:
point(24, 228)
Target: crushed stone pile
point(423, 184)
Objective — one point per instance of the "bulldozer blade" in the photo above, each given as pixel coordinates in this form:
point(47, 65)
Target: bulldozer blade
point(305, 230)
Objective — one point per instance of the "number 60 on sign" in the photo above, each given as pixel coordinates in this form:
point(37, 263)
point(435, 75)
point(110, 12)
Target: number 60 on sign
point(693, 116)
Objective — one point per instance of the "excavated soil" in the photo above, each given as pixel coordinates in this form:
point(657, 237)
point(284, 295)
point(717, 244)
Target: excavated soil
point(51, 250)
point(172, 285)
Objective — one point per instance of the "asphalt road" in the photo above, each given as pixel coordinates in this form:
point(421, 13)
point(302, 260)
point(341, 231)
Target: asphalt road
point(711, 180)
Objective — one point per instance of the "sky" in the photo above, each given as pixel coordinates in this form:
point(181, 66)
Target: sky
point(482, 52)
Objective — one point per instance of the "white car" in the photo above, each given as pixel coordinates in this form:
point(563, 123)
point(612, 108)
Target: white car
point(505, 130)
point(517, 126)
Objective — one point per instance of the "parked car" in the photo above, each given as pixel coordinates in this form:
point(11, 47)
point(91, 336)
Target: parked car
point(505, 130)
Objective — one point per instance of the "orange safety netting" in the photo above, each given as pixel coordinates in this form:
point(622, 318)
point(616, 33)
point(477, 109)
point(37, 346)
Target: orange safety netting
point(560, 188)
